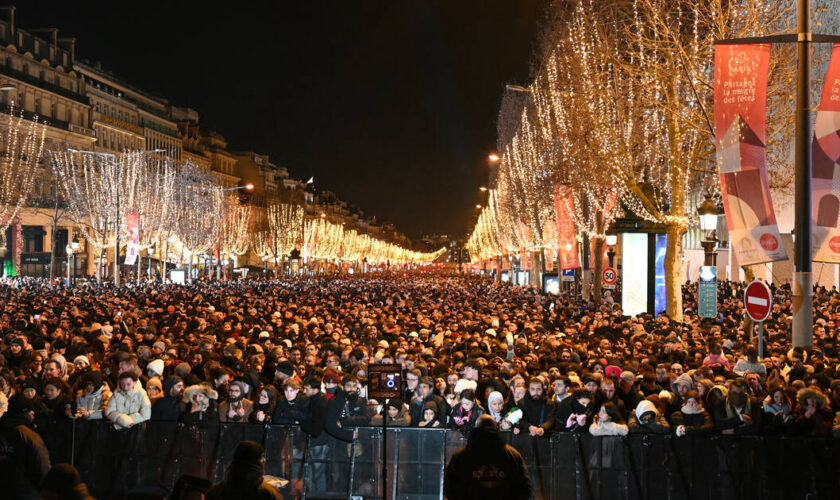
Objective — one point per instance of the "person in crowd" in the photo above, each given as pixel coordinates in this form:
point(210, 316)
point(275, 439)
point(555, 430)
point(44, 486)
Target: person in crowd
point(487, 468)
point(244, 478)
point(646, 419)
point(691, 419)
point(265, 405)
point(574, 414)
point(154, 389)
point(397, 414)
point(293, 407)
point(608, 421)
point(129, 405)
point(537, 411)
point(738, 413)
point(92, 400)
point(63, 482)
point(237, 408)
point(466, 413)
point(813, 415)
point(425, 395)
point(168, 408)
point(200, 404)
point(23, 455)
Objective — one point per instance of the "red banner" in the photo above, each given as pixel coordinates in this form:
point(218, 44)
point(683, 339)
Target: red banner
point(564, 206)
point(825, 148)
point(740, 104)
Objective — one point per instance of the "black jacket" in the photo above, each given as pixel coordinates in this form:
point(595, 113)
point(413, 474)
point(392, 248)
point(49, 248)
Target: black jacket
point(696, 424)
point(487, 469)
point(314, 425)
point(290, 413)
point(166, 409)
point(25, 460)
point(566, 408)
point(349, 412)
point(537, 412)
point(734, 423)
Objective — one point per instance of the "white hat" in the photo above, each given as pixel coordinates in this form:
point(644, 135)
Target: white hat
point(156, 366)
point(645, 406)
point(490, 332)
point(464, 384)
point(264, 335)
point(84, 359)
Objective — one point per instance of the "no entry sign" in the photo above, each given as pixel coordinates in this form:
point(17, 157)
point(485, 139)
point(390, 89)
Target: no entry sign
point(758, 301)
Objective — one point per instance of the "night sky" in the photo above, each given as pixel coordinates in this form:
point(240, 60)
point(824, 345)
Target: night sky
point(390, 104)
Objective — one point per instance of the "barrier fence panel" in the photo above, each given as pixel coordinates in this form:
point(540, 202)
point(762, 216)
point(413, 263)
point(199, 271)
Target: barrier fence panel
point(154, 456)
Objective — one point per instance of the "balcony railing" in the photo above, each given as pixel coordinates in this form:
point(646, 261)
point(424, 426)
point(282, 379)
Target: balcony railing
point(38, 82)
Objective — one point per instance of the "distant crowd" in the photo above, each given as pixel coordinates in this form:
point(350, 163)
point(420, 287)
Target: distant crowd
point(296, 352)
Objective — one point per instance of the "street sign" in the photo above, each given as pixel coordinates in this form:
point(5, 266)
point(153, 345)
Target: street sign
point(609, 276)
point(568, 275)
point(758, 300)
point(707, 292)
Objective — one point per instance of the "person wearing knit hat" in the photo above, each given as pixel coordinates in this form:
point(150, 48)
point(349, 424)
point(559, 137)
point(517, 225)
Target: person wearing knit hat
point(244, 477)
point(154, 389)
point(81, 362)
point(397, 412)
point(169, 407)
point(155, 368)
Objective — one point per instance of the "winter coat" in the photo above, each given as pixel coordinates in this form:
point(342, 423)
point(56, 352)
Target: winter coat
point(167, 409)
point(314, 426)
point(728, 421)
point(126, 409)
point(415, 408)
point(25, 461)
point(205, 411)
point(403, 419)
point(350, 413)
point(538, 412)
point(565, 409)
point(465, 421)
point(245, 404)
point(608, 429)
point(657, 425)
point(696, 424)
point(291, 412)
point(820, 423)
point(487, 469)
point(95, 403)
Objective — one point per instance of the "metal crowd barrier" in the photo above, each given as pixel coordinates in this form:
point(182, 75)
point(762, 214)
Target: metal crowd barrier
point(566, 466)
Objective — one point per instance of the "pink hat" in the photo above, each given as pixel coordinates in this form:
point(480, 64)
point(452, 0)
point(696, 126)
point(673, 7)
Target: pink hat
point(612, 371)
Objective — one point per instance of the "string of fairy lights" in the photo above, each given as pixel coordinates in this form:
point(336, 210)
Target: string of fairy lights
point(618, 115)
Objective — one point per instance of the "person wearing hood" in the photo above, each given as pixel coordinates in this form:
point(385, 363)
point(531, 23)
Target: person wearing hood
point(169, 407)
point(23, 454)
point(813, 415)
point(244, 478)
point(237, 408)
point(293, 407)
point(737, 413)
point(679, 388)
point(397, 412)
point(574, 413)
point(537, 411)
point(425, 394)
point(264, 406)
point(63, 482)
point(200, 401)
point(92, 399)
point(646, 419)
point(487, 468)
point(129, 405)
point(692, 419)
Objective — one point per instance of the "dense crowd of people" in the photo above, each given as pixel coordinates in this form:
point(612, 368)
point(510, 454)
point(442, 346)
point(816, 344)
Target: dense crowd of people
point(296, 351)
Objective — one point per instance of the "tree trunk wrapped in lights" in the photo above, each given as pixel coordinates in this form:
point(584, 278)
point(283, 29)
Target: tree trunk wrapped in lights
point(236, 225)
point(285, 227)
point(198, 204)
point(100, 188)
point(22, 146)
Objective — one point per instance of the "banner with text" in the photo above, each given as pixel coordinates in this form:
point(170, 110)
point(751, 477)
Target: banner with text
point(740, 134)
point(132, 226)
point(564, 206)
point(825, 149)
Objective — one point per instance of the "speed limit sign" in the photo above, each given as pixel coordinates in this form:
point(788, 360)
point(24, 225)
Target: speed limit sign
point(609, 276)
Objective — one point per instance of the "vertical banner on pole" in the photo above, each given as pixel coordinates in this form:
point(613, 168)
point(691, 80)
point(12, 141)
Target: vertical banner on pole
point(567, 240)
point(740, 134)
point(825, 150)
point(132, 223)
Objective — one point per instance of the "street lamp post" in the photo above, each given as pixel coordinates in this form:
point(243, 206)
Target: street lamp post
point(74, 247)
point(612, 239)
point(708, 212)
point(69, 251)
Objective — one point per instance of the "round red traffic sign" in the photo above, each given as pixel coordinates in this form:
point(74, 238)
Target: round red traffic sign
point(758, 301)
point(609, 276)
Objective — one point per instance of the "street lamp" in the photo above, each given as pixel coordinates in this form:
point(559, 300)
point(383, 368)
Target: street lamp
point(483, 188)
point(74, 247)
point(612, 239)
point(493, 157)
point(708, 212)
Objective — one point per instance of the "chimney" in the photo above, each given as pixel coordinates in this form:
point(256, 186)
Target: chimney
point(51, 34)
point(8, 13)
point(69, 44)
